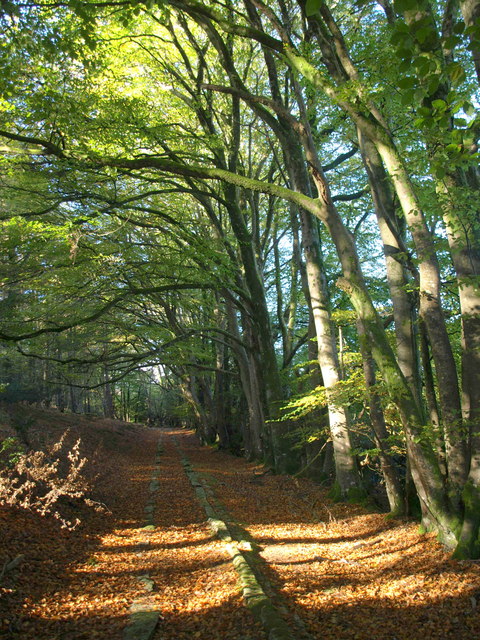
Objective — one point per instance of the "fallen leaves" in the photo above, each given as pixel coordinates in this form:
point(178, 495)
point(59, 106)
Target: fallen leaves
point(344, 572)
point(354, 574)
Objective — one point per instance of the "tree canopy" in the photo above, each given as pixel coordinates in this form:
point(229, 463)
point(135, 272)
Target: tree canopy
point(258, 219)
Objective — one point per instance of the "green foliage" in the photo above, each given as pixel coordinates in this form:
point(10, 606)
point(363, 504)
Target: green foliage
point(116, 273)
point(303, 405)
point(312, 7)
point(344, 393)
point(10, 451)
point(343, 317)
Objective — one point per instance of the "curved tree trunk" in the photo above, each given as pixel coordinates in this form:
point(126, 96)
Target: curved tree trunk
point(256, 420)
point(471, 16)
point(345, 465)
point(396, 264)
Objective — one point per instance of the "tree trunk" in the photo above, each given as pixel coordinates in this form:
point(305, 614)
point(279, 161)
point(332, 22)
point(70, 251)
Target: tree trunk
point(431, 397)
point(256, 420)
point(471, 16)
point(393, 485)
point(345, 464)
point(374, 127)
point(395, 259)
point(259, 310)
point(462, 234)
point(108, 406)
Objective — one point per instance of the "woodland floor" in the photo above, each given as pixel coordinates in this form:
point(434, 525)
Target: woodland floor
point(335, 570)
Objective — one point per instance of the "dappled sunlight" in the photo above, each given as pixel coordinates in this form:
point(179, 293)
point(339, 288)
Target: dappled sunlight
point(337, 571)
point(393, 576)
point(345, 572)
point(255, 225)
point(84, 582)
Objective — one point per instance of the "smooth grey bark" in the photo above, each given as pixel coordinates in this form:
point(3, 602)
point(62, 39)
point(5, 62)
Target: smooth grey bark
point(346, 470)
point(431, 399)
point(471, 16)
point(286, 311)
point(263, 365)
point(287, 130)
point(189, 390)
point(345, 465)
point(258, 306)
point(463, 240)
point(279, 291)
point(425, 469)
point(295, 272)
point(219, 386)
point(463, 233)
point(372, 125)
point(396, 264)
point(108, 406)
point(425, 473)
point(246, 243)
point(73, 399)
point(427, 480)
point(347, 473)
point(253, 434)
point(236, 207)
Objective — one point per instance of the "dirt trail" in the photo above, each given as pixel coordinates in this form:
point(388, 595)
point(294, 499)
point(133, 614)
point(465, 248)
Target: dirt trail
point(330, 570)
point(344, 572)
point(195, 583)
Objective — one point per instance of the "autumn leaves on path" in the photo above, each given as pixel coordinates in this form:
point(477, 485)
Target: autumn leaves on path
point(217, 547)
point(330, 570)
point(194, 584)
point(327, 570)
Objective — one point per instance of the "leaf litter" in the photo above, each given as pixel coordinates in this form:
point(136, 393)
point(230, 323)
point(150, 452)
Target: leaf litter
point(345, 572)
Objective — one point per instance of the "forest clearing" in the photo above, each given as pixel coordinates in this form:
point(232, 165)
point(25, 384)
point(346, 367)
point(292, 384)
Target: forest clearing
point(331, 570)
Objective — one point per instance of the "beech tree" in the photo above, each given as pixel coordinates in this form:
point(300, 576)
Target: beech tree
point(174, 154)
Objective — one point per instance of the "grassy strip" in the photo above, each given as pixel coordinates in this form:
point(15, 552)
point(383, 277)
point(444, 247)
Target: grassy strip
point(253, 593)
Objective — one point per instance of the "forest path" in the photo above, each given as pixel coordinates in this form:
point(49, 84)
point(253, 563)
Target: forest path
point(330, 570)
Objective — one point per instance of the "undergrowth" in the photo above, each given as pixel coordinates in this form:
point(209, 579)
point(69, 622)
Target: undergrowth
point(50, 482)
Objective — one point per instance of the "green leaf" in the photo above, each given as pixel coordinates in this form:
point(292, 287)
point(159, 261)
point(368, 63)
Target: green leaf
point(433, 85)
point(401, 26)
point(439, 105)
point(444, 122)
point(405, 53)
point(424, 111)
point(404, 5)
point(451, 42)
point(405, 65)
point(468, 108)
point(424, 65)
point(407, 82)
point(419, 94)
point(456, 72)
point(453, 148)
point(423, 34)
point(408, 97)
point(312, 7)
point(401, 38)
